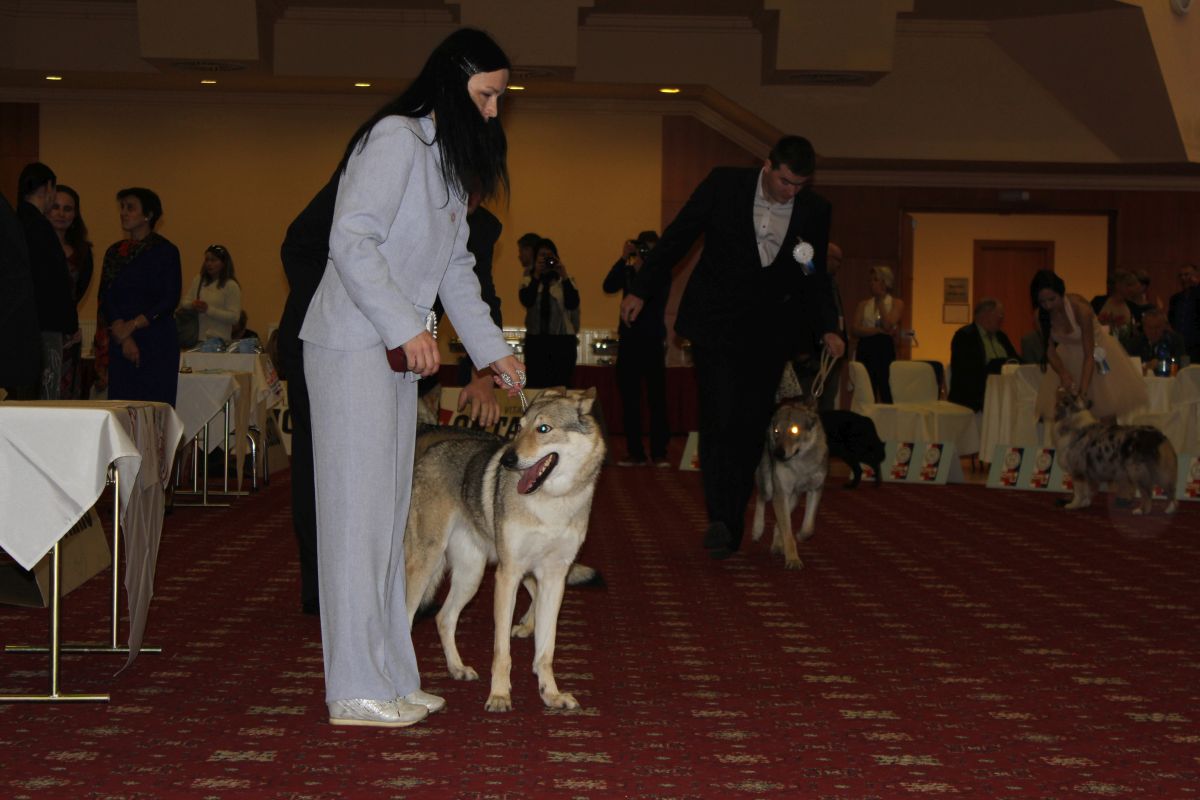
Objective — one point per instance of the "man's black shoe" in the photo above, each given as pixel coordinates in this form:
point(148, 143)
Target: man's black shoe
point(717, 537)
point(721, 553)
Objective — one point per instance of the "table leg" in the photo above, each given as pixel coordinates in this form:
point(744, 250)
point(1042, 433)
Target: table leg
point(114, 646)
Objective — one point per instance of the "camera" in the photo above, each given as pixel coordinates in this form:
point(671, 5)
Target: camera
point(643, 248)
point(549, 269)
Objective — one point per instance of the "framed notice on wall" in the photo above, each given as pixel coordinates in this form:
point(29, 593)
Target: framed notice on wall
point(957, 313)
point(955, 291)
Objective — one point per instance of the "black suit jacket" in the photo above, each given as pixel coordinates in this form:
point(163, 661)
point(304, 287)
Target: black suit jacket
point(731, 299)
point(21, 355)
point(969, 365)
point(52, 287)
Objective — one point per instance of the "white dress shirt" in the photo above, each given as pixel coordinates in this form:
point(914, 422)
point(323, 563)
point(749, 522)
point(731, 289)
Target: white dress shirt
point(770, 223)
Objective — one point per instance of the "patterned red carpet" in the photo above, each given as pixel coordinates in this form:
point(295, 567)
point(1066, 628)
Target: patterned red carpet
point(940, 641)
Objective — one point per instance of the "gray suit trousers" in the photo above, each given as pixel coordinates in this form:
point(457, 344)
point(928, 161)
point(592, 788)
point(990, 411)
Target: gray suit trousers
point(364, 425)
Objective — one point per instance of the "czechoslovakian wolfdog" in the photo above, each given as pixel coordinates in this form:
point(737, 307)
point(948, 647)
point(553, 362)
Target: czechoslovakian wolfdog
point(1127, 456)
point(795, 460)
point(522, 505)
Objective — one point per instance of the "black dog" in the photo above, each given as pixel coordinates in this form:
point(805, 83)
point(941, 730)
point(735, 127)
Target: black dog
point(852, 438)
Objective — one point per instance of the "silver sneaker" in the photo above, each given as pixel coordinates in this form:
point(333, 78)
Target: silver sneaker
point(377, 713)
point(430, 701)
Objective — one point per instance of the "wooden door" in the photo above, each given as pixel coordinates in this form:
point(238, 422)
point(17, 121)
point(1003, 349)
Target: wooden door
point(1003, 270)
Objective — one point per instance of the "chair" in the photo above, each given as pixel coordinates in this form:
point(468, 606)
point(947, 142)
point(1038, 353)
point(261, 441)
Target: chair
point(893, 422)
point(914, 385)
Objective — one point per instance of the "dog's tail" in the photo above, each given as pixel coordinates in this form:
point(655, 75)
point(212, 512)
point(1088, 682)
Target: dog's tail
point(583, 575)
point(1168, 465)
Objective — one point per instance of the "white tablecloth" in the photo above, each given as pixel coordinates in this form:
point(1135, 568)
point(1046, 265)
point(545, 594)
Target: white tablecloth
point(1009, 417)
point(202, 395)
point(54, 458)
point(266, 389)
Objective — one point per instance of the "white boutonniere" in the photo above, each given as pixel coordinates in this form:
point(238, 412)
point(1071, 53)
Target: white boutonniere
point(803, 253)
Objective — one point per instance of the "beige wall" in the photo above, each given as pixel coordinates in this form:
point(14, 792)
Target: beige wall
point(231, 173)
point(943, 247)
point(589, 181)
point(237, 172)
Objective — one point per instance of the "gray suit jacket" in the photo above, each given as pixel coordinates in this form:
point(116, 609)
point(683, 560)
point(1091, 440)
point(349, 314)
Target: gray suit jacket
point(399, 239)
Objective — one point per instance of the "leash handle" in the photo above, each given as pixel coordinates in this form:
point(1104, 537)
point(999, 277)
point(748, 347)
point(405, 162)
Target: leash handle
point(827, 361)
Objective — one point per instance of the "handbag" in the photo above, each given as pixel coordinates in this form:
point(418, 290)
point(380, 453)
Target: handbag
point(396, 357)
point(187, 324)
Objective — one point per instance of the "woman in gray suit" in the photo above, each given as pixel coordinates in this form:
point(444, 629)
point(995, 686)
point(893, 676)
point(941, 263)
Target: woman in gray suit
point(399, 239)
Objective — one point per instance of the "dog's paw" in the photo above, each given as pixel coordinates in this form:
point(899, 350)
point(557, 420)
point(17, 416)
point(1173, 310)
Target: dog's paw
point(498, 703)
point(1137, 512)
point(804, 536)
point(523, 630)
point(560, 700)
point(793, 563)
point(463, 673)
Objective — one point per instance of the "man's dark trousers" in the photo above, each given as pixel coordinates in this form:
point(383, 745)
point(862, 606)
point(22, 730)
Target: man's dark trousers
point(736, 388)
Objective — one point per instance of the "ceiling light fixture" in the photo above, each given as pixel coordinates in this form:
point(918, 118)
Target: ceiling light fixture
point(208, 82)
point(362, 85)
point(516, 88)
point(54, 77)
point(669, 90)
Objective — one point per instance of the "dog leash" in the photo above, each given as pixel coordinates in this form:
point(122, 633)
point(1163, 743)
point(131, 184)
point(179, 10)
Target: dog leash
point(508, 381)
point(827, 361)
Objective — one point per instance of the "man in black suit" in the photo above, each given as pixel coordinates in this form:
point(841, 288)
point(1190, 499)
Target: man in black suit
point(758, 292)
point(1183, 311)
point(52, 287)
point(976, 351)
point(21, 356)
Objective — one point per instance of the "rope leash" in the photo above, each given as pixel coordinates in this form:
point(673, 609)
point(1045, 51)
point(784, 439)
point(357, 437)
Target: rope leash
point(827, 361)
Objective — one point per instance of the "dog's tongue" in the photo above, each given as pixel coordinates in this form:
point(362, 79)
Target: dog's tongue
point(530, 477)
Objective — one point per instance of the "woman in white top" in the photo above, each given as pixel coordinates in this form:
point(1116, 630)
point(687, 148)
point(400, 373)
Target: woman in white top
point(1083, 356)
point(215, 293)
point(875, 325)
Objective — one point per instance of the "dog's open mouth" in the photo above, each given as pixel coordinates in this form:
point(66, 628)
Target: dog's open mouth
point(535, 476)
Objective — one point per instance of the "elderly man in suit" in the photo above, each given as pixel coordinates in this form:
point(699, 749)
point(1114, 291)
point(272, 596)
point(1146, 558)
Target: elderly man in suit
point(757, 293)
point(977, 350)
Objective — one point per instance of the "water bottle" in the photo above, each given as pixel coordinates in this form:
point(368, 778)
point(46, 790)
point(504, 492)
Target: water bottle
point(1162, 354)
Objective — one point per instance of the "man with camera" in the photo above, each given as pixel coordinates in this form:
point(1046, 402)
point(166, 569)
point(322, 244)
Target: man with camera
point(640, 355)
point(551, 319)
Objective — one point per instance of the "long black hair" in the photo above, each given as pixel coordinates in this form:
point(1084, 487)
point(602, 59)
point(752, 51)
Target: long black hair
point(77, 233)
point(1045, 279)
point(474, 151)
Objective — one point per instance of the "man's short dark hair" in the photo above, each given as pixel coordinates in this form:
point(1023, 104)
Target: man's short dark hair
point(985, 305)
point(151, 205)
point(33, 177)
point(796, 153)
point(529, 240)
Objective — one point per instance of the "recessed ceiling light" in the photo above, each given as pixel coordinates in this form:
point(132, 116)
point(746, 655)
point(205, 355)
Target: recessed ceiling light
point(516, 88)
point(669, 90)
point(363, 85)
point(54, 77)
point(208, 81)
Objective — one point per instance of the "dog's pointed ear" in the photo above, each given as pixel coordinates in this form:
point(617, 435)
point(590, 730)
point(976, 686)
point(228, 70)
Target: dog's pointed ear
point(587, 398)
